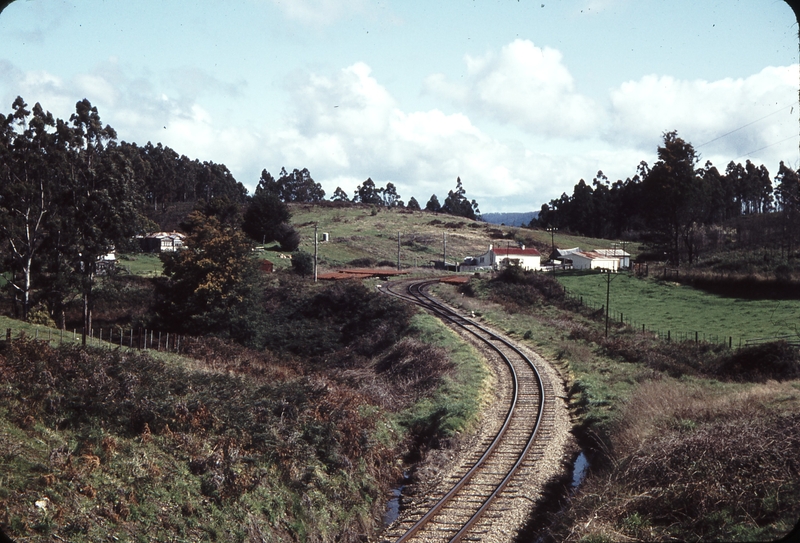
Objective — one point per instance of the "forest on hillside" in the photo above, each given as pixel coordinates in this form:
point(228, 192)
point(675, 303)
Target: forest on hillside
point(681, 210)
point(71, 193)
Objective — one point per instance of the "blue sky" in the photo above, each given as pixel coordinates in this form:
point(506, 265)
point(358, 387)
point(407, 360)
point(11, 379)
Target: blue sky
point(520, 99)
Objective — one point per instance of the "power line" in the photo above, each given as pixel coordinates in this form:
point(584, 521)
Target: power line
point(766, 147)
point(746, 125)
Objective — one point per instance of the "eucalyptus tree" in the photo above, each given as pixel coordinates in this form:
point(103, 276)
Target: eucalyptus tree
point(102, 203)
point(28, 192)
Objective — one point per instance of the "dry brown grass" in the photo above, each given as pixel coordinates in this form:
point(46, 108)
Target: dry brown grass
point(693, 461)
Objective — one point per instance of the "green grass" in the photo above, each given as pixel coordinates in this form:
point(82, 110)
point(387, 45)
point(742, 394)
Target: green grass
point(142, 264)
point(455, 405)
point(663, 306)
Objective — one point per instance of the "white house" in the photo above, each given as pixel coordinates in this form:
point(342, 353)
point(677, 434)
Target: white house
point(500, 257)
point(590, 260)
point(623, 257)
point(163, 242)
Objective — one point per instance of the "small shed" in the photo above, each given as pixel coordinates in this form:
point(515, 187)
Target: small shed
point(590, 260)
point(623, 257)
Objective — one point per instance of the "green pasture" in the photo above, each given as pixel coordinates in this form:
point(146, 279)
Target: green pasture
point(143, 264)
point(684, 311)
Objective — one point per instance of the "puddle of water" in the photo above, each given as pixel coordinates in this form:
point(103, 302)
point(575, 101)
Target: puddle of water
point(579, 470)
point(393, 506)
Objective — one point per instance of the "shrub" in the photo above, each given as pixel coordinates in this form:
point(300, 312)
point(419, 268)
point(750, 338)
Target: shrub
point(303, 263)
point(775, 360)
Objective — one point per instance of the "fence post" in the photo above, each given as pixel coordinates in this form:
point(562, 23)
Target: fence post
point(131, 337)
point(8, 335)
point(730, 342)
point(669, 335)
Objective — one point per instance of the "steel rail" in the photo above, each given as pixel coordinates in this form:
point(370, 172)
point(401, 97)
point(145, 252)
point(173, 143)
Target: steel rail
point(416, 294)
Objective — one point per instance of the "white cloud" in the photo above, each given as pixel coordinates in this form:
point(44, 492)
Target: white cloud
point(524, 85)
point(757, 110)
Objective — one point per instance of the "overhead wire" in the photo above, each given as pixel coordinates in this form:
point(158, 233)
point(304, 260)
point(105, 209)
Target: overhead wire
point(746, 125)
point(765, 147)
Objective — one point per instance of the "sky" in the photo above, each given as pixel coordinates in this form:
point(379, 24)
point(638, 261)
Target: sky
point(519, 99)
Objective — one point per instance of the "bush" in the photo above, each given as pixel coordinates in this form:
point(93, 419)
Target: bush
point(303, 263)
point(775, 360)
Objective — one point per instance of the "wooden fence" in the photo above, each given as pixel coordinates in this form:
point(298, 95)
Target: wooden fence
point(132, 338)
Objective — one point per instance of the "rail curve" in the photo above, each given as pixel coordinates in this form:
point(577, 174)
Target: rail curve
point(457, 515)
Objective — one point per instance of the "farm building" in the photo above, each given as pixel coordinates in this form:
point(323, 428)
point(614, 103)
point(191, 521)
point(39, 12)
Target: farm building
point(497, 258)
point(163, 242)
point(623, 257)
point(589, 260)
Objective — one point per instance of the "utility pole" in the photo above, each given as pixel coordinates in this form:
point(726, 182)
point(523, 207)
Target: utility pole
point(315, 252)
point(608, 297)
point(398, 251)
point(553, 230)
point(444, 244)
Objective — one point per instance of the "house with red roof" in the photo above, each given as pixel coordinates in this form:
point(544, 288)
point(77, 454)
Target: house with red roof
point(497, 258)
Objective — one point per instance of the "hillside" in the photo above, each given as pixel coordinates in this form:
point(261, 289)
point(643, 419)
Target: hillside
point(299, 442)
point(365, 232)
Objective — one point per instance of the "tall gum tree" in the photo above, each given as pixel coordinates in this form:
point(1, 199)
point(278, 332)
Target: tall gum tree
point(27, 153)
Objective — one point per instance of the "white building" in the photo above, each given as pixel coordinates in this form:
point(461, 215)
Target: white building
point(590, 260)
point(500, 257)
point(623, 257)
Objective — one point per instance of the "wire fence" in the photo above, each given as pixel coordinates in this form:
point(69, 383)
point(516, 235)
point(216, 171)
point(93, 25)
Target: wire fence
point(680, 336)
point(113, 337)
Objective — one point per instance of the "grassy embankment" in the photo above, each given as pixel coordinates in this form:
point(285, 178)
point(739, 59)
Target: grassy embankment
point(687, 441)
point(223, 443)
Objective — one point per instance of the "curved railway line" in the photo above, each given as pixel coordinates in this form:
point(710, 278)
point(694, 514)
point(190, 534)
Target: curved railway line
point(471, 507)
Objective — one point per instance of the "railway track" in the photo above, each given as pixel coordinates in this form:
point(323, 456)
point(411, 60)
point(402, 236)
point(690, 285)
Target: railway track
point(472, 504)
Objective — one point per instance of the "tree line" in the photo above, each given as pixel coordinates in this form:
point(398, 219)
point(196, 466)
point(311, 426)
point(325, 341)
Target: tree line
point(675, 205)
point(71, 193)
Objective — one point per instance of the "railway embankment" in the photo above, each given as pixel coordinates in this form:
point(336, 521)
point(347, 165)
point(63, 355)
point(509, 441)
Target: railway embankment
point(687, 440)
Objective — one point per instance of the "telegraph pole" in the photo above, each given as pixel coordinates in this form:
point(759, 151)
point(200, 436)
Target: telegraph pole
point(398, 251)
point(315, 252)
point(444, 244)
point(553, 231)
point(608, 297)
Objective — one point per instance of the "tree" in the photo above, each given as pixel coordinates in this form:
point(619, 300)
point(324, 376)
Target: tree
point(28, 170)
point(457, 204)
point(787, 190)
point(303, 263)
point(266, 212)
point(340, 196)
point(390, 197)
point(368, 193)
point(297, 186)
point(433, 204)
point(213, 285)
point(102, 201)
point(413, 204)
point(287, 237)
point(674, 197)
